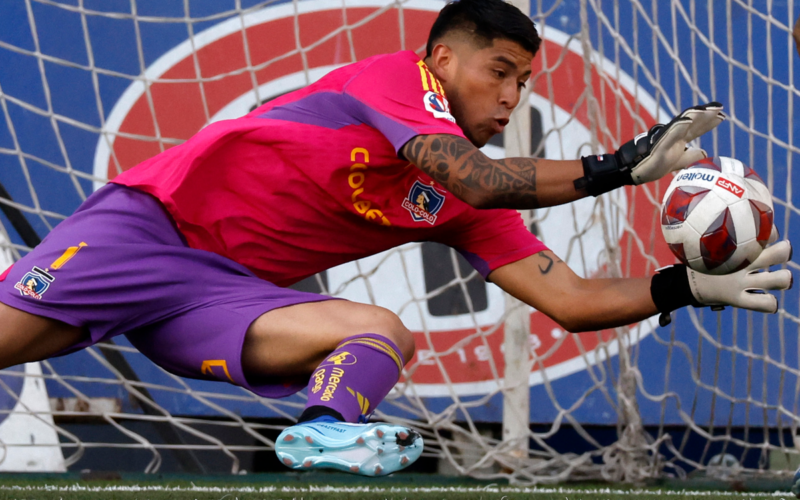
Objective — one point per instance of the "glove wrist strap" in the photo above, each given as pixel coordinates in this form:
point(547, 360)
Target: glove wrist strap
point(603, 173)
point(670, 290)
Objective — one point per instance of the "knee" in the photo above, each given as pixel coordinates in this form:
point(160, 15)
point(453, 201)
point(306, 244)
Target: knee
point(385, 322)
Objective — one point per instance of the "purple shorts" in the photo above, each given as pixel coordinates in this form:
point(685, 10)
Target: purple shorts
point(118, 265)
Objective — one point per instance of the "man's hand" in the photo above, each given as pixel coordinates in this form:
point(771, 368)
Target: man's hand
point(665, 147)
point(746, 288)
point(651, 155)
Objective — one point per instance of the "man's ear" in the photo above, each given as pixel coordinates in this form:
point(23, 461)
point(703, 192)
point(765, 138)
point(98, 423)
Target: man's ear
point(443, 62)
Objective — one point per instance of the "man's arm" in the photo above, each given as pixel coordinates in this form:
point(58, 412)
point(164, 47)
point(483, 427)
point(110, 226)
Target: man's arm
point(545, 282)
point(524, 183)
point(521, 183)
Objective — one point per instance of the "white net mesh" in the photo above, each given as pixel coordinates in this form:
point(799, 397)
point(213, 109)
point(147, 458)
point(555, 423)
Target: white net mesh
point(90, 88)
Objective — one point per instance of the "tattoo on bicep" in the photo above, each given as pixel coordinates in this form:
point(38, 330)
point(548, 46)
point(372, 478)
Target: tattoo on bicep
point(463, 169)
point(549, 265)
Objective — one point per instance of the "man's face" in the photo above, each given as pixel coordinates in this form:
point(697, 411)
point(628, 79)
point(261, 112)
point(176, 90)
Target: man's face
point(483, 85)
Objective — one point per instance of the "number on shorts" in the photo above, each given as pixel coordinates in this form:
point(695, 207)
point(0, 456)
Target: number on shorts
point(206, 368)
point(66, 256)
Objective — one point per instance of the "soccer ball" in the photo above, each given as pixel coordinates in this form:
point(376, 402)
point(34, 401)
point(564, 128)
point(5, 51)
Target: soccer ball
point(717, 215)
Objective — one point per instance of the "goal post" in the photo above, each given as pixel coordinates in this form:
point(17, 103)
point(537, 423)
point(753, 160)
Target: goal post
point(499, 391)
point(516, 342)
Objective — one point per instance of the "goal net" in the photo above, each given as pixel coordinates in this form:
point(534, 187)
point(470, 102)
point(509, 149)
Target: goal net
point(90, 88)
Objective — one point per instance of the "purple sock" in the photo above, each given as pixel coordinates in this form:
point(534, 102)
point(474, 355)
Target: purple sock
point(356, 376)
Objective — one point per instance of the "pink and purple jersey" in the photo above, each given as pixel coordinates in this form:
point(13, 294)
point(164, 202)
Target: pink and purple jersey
point(313, 179)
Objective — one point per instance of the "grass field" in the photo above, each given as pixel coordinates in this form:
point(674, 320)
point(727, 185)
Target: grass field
point(321, 486)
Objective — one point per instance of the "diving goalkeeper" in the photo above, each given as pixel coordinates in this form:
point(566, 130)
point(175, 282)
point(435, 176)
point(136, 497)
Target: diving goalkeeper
point(189, 253)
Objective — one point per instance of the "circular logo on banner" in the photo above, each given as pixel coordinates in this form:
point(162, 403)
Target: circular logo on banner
point(174, 106)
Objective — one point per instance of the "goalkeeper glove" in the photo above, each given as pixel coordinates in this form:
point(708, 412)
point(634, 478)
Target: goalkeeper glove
point(677, 286)
point(653, 154)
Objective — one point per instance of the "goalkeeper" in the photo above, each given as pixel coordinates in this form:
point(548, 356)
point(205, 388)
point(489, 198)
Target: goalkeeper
point(189, 254)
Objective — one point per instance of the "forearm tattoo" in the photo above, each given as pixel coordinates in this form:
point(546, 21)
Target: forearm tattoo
point(470, 175)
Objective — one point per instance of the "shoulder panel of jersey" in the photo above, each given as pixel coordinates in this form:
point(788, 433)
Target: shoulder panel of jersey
point(393, 93)
point(402, 87)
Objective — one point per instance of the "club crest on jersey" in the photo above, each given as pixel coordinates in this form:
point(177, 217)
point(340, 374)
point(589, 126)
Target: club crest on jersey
point(423, 202)
point(34, 283)
point(438, 105)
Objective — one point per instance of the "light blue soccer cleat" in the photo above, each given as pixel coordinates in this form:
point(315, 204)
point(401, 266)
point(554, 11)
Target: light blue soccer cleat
point(796, 483)
point(375, 449)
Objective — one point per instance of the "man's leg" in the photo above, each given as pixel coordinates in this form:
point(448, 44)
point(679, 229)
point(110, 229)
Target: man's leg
point(292, 341)
point(354, 354)
point(26, 337)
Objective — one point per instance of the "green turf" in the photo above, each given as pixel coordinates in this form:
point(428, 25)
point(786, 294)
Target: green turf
point(317, 486)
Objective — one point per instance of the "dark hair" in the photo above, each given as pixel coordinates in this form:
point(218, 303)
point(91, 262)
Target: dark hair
point(485, 20)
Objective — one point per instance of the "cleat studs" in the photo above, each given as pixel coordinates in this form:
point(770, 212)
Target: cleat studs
point(288, 438)
point(379, 433)
point(404, 460)
point(307, 464)
point(360, 440)
point(378, 469)
point(287, 461)
point(354, 468)
point(309, 440)
point(380, 451)
point(402, 435)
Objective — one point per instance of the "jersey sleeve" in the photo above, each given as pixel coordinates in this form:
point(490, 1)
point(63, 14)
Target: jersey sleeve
point(490, 239)
point(401, 98)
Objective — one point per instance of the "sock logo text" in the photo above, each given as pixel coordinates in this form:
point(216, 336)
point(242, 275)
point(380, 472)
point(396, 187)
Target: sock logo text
point(333, 383)
point(319, 378)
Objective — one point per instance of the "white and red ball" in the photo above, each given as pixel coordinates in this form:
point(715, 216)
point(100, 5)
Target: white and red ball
point(717, 215)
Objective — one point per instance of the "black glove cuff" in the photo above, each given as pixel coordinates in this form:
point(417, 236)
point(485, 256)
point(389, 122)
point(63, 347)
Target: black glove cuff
point(603, 173)
point(670, 289)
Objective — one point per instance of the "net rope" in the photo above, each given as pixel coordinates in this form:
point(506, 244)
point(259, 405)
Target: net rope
point(637, 61)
